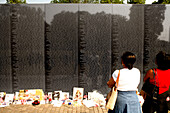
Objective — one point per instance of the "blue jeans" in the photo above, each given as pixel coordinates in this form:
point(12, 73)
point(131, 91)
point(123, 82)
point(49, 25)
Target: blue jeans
point(127, 102)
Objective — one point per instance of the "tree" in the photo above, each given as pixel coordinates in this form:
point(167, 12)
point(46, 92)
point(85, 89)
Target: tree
point(117, 1)
point(16, 1)
point(105, 1)
point(112, 1)
point(136, 1)
point(154, 2)
point(65, 1)
point(166, 2)
point(90, 1)
point(75, 1)
point(55, 1)
point(162, 2)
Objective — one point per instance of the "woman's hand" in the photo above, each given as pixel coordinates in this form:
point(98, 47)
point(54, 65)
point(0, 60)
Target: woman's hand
point(143, 94)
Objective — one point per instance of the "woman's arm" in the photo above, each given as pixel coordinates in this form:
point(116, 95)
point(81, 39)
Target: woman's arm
point(111, 82)
point(149, 75)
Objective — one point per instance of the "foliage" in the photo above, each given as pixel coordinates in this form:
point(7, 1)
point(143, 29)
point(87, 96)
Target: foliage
point(166, 2)
point(75, 1)
point(154, 2)
point(117, 1)
point(162, 2)
point(136, 1)
point(112, 1)
point(105, 1)
point(65, 1)
point(55, 1)
point(16, 1)
point(88, 1)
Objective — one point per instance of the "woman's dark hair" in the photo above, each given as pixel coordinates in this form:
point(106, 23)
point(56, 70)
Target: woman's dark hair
point(128, 59)
point(162, 60)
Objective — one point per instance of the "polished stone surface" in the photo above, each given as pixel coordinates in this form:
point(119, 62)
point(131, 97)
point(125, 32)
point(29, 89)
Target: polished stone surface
point(61, 46)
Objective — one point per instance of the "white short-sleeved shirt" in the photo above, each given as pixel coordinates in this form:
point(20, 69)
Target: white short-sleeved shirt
point(128, 80)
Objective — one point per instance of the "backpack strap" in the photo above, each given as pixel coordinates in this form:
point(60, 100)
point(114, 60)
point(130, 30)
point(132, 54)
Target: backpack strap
point(154, 74)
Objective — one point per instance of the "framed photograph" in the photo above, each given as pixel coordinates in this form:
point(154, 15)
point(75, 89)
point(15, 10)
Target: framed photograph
point(2, 94)
point(50, 95)
point(78, 93)
point(40, 94)
point(90, 95)
point(65, 96)
point(30, 94)
point(2, 97)
point(16, 95)
point(9, 98)
point(57, 95)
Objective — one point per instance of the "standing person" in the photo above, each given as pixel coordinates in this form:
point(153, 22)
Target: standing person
point(127, 99)
point(162, 80)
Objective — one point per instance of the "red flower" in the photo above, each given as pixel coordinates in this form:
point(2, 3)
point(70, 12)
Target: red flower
point(50, 99)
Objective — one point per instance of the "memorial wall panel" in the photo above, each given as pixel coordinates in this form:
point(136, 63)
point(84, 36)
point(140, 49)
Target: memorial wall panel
point(62, 46)
point(5, 49)
point(28, 24)
point(94, 46)
point(127, 34)
point(157, 30)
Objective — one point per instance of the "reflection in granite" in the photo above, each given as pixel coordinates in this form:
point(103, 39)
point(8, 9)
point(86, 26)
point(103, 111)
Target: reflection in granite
point(62, 50)
point(128, 35)
point(5, 49)
point(61, 46)
point(94, 47)
point(27, 47)
point(154, 17)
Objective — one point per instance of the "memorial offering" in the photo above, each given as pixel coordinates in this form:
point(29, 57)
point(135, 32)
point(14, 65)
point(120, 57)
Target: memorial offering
point(16, 96)
point(50, 94)
point(78, 94)
point(57, 95)
point(90, 95)
point(65, 96)
point(40, 94)
point(9, 98)
point(30, 95)
point(56, 98)
point(36, 102)
point(2, 98)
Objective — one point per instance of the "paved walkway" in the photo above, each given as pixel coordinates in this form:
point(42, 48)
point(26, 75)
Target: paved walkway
point(48, 108)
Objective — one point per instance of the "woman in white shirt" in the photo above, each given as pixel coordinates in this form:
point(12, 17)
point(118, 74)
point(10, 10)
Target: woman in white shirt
point(127, 100)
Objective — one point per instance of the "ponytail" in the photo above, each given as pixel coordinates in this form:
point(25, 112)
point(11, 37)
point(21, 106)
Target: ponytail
point(128, 59)
point(129, 66)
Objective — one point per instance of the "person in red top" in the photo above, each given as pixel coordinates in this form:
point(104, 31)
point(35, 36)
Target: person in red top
point(162, 78)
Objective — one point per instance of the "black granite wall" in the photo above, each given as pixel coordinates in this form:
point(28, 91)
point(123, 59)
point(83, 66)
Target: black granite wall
point(94, 46)
point(60, 46)
point(28, 25)
point(5, 49)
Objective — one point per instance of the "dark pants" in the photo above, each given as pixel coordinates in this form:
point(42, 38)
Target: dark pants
point(150, 106)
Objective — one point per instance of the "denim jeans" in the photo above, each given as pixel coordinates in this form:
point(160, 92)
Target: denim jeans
point(127, 102)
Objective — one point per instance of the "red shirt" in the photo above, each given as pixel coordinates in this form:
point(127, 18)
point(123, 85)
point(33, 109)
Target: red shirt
point(163, 78)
